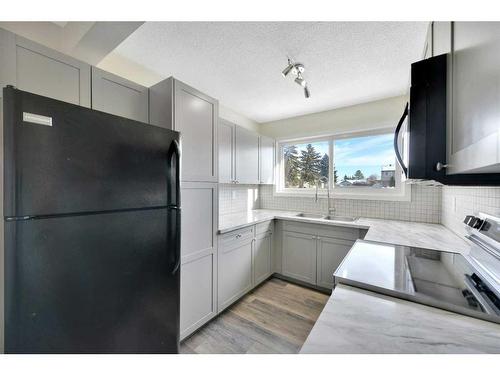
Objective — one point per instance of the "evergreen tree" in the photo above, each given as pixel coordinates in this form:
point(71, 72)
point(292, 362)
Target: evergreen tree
point(310, 165)
point(335, 177)
point(345, 178)
point(292, 166)
point(324, 165)
point(359, 175)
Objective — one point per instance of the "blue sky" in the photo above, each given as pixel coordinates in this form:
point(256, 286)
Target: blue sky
point(368, 154)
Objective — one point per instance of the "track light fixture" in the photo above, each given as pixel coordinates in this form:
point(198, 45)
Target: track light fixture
point(297, 69)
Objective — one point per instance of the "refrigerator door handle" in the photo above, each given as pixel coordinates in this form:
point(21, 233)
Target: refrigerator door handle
point(174, 174)
point(396, 136)
point(176, 237)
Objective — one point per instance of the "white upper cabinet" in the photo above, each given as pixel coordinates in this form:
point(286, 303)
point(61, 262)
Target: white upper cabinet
point(226, 151)
point(34, 68)
point(118, 96)
point(177, 106)
point(473, 127)
point(266, 160)
point(247, 156)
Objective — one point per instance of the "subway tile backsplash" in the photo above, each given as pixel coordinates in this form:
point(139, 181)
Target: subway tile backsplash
point(425, 205)
point(447, 205)
point(238, 198)
point(458, 201)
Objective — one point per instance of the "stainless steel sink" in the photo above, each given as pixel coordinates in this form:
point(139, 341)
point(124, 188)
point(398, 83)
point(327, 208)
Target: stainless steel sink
point(340, 218)
point(311, 216)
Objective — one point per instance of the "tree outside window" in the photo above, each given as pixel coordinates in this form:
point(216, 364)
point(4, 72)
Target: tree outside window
point(358, 162)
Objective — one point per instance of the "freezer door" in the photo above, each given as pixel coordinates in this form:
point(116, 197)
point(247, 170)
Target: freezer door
point(106, 283)
point(62, 158)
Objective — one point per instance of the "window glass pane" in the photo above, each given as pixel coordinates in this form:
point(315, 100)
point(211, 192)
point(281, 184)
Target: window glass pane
point(365, 162)
point(305, 163)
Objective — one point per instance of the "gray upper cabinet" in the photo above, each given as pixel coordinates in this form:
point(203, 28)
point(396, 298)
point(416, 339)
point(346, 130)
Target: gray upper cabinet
point(428, 43)
point(441, 37)
point(247, 156)
point(226, 151)
point(195, 116)
point(118, 96)
point(177, 106)
point(43, 71)
point(473, 130)
point(266, 160)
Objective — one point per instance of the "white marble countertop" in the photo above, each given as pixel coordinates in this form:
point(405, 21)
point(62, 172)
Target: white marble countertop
point(359, 321)
point(406, 233)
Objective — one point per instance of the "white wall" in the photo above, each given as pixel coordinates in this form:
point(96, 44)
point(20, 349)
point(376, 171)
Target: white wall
point(367, 116)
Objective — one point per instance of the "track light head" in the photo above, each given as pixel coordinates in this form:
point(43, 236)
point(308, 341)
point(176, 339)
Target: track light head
point(300, 81)
point(307, 94)
point(288, 69)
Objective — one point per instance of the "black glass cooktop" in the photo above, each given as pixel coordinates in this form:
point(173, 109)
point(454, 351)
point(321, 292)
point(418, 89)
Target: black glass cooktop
point(436, 278)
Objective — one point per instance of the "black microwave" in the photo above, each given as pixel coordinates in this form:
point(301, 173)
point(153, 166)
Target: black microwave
point(427, 115)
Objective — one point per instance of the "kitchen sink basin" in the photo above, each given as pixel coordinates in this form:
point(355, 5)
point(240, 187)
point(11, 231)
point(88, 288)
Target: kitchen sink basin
point(340, 218)
point(311, 216)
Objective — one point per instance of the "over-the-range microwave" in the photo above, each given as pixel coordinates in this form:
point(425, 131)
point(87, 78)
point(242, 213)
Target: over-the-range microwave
point(425, 158)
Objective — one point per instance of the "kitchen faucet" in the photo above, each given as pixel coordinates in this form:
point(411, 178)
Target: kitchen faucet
point(331, 210)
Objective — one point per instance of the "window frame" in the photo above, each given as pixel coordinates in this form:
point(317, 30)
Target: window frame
point(401, 192)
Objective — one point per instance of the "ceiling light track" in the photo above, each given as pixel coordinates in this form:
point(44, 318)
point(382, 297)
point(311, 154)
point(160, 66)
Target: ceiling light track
point(297, 69)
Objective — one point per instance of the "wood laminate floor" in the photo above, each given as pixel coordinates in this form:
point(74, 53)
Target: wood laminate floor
point(276, 317)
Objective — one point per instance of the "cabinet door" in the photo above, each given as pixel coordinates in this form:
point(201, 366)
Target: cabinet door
point(331, 252)
point(43, 71)
point(235, 272)
point(247, 156)
point(299, 256)
point(262, 257)
point(118, 96)
point(195, 116)
point(226, 151)
point(428, 43)
point(266, 160)
point(441, 37)
point(198, 255)
point(473, 130)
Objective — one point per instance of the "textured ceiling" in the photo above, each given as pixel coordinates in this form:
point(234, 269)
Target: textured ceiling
point(240, 63)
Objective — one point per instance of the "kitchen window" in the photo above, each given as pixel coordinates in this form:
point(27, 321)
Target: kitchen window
point(353, 166)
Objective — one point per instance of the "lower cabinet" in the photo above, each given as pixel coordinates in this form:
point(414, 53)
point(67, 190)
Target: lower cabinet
point(299, 256)
point(330, 252)
point(198, 255)
point(262, 257)
point(235, 271)
point(310, 256)
point(197, 293)
point(244, 261)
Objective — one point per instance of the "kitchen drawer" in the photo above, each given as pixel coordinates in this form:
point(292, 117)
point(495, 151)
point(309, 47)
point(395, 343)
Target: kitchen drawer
point(236, 237)
point(325, 230)
point(264, 227)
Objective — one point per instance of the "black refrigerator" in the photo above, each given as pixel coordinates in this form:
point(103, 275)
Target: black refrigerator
point(92, 230)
